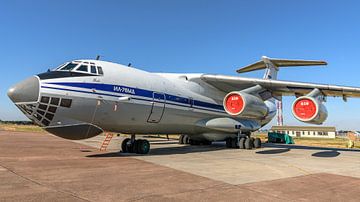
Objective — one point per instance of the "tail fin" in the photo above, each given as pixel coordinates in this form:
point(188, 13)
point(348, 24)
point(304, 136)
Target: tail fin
point(272, 65)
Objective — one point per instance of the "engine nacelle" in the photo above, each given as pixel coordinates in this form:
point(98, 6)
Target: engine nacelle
point(244, 105)
point(309, 110)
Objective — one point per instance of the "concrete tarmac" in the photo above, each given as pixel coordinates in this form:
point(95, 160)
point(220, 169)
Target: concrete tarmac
point(42, 167)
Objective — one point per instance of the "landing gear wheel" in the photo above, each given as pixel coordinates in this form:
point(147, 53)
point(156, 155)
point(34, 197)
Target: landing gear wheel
point(186, 139)
point(194, 142)
point(206, 142)
point(133, 147)
point(124, 147)
point(181, 139)
point(142, 147)
point(257, 143)
point(248, 143)
point(233, 143)
point(242, 143)
point(252, 141)
point(228, 142)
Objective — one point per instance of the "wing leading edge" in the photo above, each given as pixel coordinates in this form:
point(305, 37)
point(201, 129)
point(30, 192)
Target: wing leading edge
point(279, 88)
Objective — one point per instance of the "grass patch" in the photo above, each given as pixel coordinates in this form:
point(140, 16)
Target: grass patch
point(336, 143)
point(21, 128)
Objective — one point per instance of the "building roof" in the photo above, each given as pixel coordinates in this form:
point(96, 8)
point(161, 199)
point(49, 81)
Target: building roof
point(305, 128)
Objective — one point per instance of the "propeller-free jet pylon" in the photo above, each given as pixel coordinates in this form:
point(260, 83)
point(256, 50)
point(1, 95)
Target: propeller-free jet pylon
point(82, 98)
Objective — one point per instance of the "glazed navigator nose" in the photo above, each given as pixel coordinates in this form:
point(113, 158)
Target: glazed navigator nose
point(25, 91)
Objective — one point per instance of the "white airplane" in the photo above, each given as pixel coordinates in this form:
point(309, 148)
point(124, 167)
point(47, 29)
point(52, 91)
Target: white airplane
point(81, 99)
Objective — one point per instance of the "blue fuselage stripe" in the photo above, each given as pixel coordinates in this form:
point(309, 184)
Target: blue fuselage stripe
point(181, 101)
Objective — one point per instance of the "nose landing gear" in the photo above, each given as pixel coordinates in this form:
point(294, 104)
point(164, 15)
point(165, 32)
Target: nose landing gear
point(131, 145)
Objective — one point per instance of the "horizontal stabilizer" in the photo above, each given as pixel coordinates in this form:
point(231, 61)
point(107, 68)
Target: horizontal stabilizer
point(279, 63)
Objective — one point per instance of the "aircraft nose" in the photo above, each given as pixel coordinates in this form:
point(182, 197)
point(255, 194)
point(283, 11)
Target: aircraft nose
point(25, 91)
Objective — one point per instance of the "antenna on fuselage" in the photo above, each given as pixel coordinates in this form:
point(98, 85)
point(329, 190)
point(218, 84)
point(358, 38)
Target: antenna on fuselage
point(129, 65)
point(98, 57)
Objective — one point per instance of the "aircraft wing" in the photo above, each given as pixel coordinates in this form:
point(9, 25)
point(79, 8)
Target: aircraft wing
point(277, 87)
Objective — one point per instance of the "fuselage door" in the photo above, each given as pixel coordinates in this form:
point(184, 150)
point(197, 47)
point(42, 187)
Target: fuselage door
point(158, 107)
point(191, 103)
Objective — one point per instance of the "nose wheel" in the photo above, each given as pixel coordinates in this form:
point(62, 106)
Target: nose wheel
point(131, 145)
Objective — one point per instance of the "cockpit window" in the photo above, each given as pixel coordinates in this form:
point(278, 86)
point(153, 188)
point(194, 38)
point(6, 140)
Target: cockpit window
point(100, 71)
point(93, 69)
point(82, 68)
point(60, 66)
point(69, 66)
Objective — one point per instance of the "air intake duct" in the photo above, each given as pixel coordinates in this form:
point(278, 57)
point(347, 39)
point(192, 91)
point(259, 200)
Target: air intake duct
point(244, 105)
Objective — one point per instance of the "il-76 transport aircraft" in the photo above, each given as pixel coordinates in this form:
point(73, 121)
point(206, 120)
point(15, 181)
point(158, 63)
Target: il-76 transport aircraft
point(82, 98)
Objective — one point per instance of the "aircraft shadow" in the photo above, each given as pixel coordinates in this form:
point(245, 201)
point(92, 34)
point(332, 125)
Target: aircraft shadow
point(290, 146)
point(273, 151)
point(325, 152)
point(162, 143)
point(166, 151)
point(276, 149)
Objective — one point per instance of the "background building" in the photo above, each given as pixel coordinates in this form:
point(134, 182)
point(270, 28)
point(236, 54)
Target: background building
point(306, 131)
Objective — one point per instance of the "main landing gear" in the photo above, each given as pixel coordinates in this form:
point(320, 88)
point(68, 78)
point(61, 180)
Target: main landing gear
point(185, 139)
point(243, 142)
point(131, 145)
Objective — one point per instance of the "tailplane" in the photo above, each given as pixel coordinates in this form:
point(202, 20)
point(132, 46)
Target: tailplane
point(272, 65)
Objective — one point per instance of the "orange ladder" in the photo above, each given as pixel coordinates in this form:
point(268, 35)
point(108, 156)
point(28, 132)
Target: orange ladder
point(106, 142)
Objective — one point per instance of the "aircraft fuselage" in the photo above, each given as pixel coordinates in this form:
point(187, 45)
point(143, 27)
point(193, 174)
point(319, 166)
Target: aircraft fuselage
point(128, 100)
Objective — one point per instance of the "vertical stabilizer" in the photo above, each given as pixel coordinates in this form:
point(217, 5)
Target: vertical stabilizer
point(271, 69)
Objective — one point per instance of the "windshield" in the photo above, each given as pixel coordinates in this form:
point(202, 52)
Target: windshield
point(82, 68)
point(69, 66)
point(59, 67)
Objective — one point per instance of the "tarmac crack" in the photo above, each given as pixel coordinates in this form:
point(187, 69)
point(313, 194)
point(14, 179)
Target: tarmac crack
point(43, 185)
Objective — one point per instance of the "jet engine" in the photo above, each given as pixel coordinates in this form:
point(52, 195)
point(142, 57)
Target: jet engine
point(245, 105)
point(309, 110)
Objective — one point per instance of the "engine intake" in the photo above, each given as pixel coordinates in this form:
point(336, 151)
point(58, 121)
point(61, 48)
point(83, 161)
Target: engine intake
point(244, 105)
point(309, 110)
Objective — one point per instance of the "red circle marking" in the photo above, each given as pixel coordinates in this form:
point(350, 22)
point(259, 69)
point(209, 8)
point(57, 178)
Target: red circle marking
point(234, 103)
point(305, 108)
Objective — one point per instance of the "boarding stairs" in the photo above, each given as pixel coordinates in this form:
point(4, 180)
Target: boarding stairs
point(106, 141)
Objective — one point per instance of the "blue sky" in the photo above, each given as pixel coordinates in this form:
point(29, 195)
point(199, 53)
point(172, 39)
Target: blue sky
point(186, 36)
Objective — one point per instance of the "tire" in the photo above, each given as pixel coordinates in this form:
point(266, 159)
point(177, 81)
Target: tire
point(252, 141)
point(248, 143)
point(207, 142)
point(242, 143)
point(257, 143)
point(124, 147)
point(194, 142)
point(143, 147)
point(186, 139)
point(228, 142)
point(133, 147)
point(233, 142)
point(181, 139)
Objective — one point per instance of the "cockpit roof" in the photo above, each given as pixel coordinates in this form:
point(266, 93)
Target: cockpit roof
point(89, 67)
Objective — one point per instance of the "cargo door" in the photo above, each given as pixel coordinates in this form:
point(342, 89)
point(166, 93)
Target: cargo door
point(157, 108)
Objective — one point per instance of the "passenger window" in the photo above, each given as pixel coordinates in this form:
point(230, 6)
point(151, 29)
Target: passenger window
point(83, 68)
point(69, 66)
point(100, 71)
point(93, 69)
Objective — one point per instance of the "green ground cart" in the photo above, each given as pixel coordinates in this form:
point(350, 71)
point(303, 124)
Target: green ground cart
point(280, 138)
